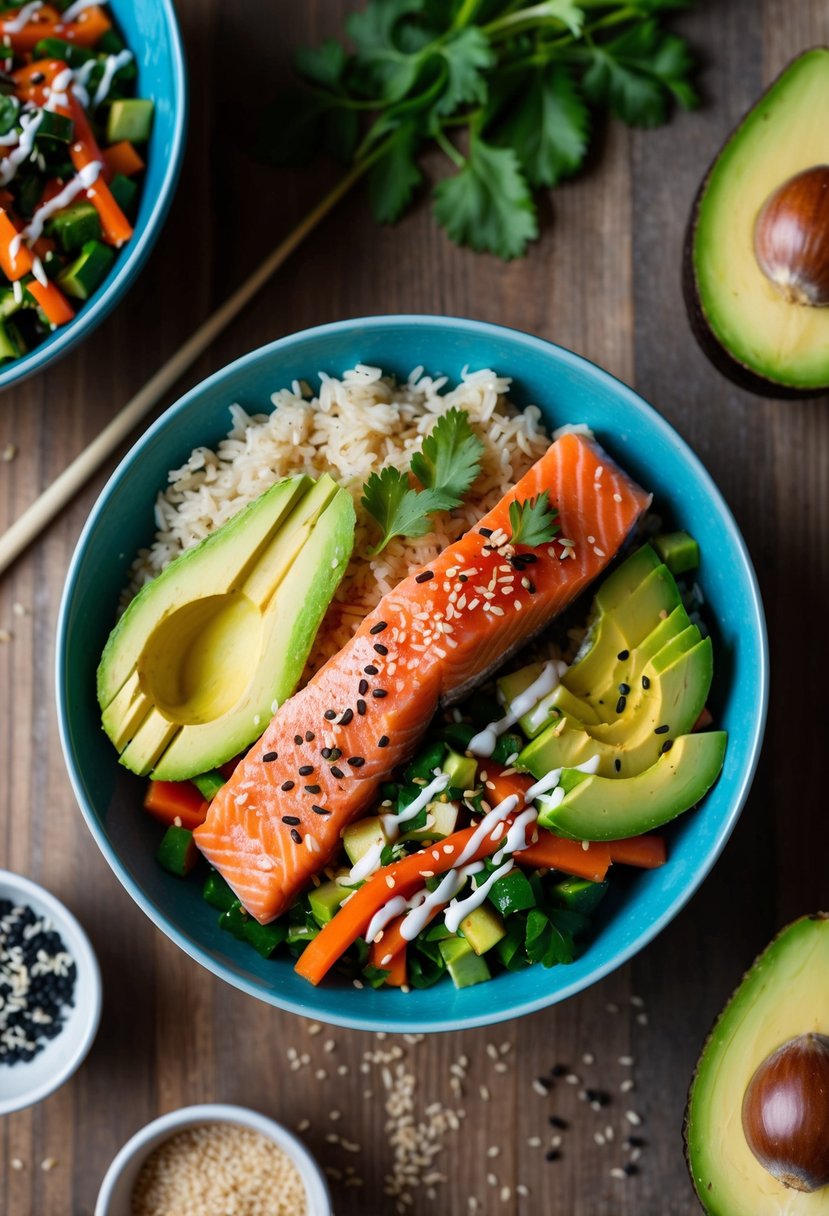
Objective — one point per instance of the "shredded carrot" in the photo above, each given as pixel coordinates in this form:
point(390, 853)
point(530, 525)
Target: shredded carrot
point(13, 268)
point(56, 307)
point(122, 158)
point(84, 151)
point(169, 801)
point(648, 852)
point(569, 856)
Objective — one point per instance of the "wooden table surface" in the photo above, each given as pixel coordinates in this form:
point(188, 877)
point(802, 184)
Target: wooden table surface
point(604, 280)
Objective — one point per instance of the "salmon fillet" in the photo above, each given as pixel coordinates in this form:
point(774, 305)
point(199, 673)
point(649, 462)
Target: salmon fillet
point(438, 633)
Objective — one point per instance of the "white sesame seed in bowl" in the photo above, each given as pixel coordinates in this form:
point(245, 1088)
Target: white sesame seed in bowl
point(196, 1160)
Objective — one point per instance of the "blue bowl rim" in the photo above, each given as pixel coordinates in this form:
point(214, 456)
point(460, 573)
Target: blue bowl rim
point(138, 248)
point(653, 928)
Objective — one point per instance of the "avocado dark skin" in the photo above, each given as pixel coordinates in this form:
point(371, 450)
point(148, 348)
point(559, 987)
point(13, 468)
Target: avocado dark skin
point(721, 358)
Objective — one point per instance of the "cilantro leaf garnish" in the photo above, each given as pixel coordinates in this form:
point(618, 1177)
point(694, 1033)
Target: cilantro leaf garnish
point(533, 521)
point(450, 457)
point(502, 87)
point(397, 508)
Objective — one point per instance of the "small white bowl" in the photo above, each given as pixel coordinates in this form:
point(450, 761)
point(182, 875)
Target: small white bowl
point(26, 1082)
point(116, 1189)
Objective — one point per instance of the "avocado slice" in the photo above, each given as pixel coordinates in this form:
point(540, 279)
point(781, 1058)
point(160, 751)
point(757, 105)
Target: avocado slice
point(783, 995)
point(678, 680)
point(204, 654)
point(749, 330)
point(599, 808)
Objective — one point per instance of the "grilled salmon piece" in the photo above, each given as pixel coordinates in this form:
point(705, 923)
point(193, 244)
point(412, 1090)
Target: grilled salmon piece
point(428, 642)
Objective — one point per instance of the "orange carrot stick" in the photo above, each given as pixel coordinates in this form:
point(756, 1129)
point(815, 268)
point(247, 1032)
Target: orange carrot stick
point(122, 158)
point(89, 28)
point(41, 24)
point(12, 267)
point(84, 151)
point(648, 852)
point(53, 302)
point(176, 803)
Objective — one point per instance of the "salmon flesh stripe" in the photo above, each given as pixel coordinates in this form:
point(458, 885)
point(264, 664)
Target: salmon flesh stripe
point(439, 632)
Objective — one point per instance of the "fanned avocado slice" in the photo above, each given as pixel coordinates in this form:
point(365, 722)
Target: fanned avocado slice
point(600, 808)
point(785, 994)
point(206, 652)
point(743, 322)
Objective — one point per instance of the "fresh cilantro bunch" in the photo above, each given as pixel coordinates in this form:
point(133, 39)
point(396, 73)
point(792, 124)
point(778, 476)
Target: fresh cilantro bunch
point(533, 521)
point(446, 466)
point(506, 89)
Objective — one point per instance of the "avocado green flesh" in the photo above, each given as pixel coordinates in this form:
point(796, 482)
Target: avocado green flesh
point(677, 692)
point(785, 994)
point(194, 669)
point(785, 133)
point(600, 808)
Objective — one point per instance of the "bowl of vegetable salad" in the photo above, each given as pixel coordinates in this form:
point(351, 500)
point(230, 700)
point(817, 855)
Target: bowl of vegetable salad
point(423, 721)
point(92, 119)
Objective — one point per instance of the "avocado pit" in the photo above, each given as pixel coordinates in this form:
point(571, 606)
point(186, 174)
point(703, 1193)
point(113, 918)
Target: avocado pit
point(785, 1113)
point(791, 238)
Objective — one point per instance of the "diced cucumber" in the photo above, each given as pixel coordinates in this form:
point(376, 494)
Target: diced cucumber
point(245, 928)
point(325, 901)
point(74, 226)
point(510, 949)
point(579, 894)
point(54, 126)
point(679, 551)
point(59, 48)
point(461, 770)
point(85, 275)
point(512, 893)
point(177, 852)
point(301, 934)
point(217, 893)
point(458, 735)
point(363, 835)
point(463, 964)
point(9, 347)
point(209, 784)
point(129, 118)
point(110, 42)
point(234, 920)
point(507, 747)
point(441, 820)
point(8, 303)
point(483, 928)
point(125, 192)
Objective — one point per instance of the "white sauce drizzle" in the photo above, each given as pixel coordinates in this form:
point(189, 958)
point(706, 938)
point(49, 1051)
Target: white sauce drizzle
point(81, 79)
point(420, 915)
point(81, 182)
point(459, 910)
point(488, 824)
point(9, 165)
point(483, 744)
point(39, 273)
point(518, 834)
point(74, 11)
point(13, 25)
point(378, 922)
point(392, 822)
point(368, 863)
point(113, 64)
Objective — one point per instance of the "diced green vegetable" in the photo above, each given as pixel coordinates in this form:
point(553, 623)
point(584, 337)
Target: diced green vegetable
point(678, 550)
point(510, 949)
point(507, 747)
point(464, 965)
point(217, 893)
point(265, 938)
point(363, 835)
point(422, 768)
point(177, 852)
point(441, 820)
point(458, 735)
point(325, 901)
point(301, 934)
point(74, 226)
point(54, 126)
point(512, 893)
point(579, 895)
point(234, 920)
point(208, 784)
point(85, 275)
point(125, 192)
point(111, 42)
point(9, 303)
point(9, 111)
point(28, 190)
point(461, 770)
point(129, 118)
point(59, 48)
point(483, 928)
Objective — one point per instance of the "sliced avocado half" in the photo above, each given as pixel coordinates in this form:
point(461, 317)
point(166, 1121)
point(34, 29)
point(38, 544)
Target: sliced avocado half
point(204, 654)
point(678, 681)
point(744, 324)
point(785, 994)
point(599, 808)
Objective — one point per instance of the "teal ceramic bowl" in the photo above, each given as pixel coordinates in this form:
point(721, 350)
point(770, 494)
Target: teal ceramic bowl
point(150, 30)
point(567, 389)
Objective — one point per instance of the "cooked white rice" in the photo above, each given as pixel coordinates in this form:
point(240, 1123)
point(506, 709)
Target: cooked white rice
point(358, 424)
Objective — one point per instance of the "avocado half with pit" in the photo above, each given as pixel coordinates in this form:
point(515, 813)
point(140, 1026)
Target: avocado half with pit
point(758, 1107)
point(756, 263)
point(206, 653)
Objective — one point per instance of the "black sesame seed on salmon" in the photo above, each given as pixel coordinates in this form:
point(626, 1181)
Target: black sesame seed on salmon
point(295, 836)
point(380, 648)
point(424, 576)
point(298, 740)
point(312, 789)
point(379, 693)
point(309, 736)
point(320, 810)
point(291, 820)
point(371, 670)
point(337, 772)
point(326, 753)
point(362, 687)
point(379, 627)
point(361, 707)
point(269, 757)
point(356, 761)
point(487, 532)
point(305, 770)
point(346, 716)
point(287, 785)
point(383, 741)
point(330, 714)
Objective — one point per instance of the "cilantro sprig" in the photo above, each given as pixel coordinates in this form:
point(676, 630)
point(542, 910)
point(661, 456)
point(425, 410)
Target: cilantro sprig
point(533, 521)
point(509, 90)
point(446, 466)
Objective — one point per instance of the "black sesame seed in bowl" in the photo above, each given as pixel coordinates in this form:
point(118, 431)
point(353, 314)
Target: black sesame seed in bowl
point(50, 993)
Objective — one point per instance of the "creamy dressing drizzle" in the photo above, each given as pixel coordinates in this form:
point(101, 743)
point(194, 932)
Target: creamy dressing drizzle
point(421, 913)
point(459, 910)
point(13, 25)
point(483, 744)
point(29, 123)
point(113, 64)
point(368, 863)
point(81, 182)
point(489, 823)
point(74, 11)
point(392, 822)
point(518, 834)
point(395, 907)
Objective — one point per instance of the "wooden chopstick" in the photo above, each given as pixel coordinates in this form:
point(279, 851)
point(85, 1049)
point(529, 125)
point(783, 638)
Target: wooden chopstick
point(43, 510)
